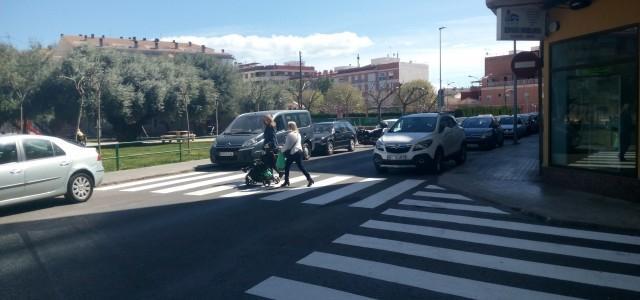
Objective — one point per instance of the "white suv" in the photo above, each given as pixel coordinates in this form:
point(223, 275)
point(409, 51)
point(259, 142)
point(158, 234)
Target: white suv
point(421, 140)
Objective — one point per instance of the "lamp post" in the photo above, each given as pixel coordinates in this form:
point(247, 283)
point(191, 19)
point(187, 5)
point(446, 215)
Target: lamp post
point(440, 93)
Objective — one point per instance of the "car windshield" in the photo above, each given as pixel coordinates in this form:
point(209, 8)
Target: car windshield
point(414, 124)
point(322, 128)
point(506, 121)
point(247, 124)
point(477, 123)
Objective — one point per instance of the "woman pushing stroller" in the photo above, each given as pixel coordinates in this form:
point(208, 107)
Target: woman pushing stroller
point(270, 145)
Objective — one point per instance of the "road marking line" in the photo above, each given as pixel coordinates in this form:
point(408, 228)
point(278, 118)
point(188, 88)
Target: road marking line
point(455, 206)
point(301, 190)
point(344, 192)
point(387, 194)
point(261, 190)
point(435, 187)
point(145, 181)
point(172, 182)
point(515, 243)
point(422, 279)
point(605, 279)
point(543, 229)
point(212, 190)
point(199, 184)
point(286, 289)
point(442, 195)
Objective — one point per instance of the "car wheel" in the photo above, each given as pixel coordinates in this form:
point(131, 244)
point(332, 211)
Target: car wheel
point(380, 169)
point(462, 155)
point(306, 151)
point(352, 145)
point(79, 188)
point(329, 149)
point(436, 164)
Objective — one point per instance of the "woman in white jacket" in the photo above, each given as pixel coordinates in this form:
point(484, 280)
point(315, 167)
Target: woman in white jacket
point(293, 152)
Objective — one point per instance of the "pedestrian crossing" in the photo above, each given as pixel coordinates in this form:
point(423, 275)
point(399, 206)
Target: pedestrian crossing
point(362, 192)
point(443, 244)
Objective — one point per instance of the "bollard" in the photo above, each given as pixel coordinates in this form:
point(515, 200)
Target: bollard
point(180, 150)
point(117, 156)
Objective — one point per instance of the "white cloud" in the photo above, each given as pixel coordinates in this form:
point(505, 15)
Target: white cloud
point(280, 48)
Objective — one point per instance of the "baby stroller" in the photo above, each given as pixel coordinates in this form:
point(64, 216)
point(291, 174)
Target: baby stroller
point(258, 172)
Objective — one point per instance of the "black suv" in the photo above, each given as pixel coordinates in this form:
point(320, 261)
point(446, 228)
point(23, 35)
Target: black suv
point(329, 136)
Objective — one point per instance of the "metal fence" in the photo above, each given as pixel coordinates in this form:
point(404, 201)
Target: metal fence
point(164, 150)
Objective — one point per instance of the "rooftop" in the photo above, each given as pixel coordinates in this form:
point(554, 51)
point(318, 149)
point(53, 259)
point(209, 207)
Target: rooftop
point(135, 44)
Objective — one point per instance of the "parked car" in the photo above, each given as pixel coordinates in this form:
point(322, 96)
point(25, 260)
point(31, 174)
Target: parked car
point(242, 139)
point(369, 137)
point(507, 124)
point(329, 136)
point(531, 123)
point(484, 132)
point(421, 140)
point(459, 120)
point(38, 167)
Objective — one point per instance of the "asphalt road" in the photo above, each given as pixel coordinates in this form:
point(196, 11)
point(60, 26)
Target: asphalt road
point(355, 234)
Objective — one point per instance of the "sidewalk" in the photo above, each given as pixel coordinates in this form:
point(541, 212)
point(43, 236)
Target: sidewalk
point(508, 176)
point(155, 171)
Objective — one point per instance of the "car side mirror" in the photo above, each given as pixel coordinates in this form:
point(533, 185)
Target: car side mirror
point(384, 130)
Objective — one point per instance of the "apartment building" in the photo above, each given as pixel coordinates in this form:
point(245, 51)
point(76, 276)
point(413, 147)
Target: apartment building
point(135, 45)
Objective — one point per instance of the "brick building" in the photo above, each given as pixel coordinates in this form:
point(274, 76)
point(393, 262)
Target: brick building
point(383, 73)
point(497, 85)
point(275, 72)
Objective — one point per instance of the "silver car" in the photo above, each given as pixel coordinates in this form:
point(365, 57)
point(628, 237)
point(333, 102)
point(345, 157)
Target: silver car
point(36, 167)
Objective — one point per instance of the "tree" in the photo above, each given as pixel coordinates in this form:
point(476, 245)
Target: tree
point(312, 99)
point(414, 92)
point(227, 79)
point(344, 98)
point(379, 94)
point(22, 73)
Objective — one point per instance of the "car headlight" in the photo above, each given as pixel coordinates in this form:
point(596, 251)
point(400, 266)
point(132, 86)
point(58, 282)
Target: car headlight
point(422, 145)
point(251, 142)
point(380, 145)
point(214, 143)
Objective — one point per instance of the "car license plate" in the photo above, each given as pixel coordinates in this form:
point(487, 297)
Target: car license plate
point(226, 154)
point(397, 157)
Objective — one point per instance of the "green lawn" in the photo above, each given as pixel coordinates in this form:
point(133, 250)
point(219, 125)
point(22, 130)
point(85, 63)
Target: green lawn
point(153, 154)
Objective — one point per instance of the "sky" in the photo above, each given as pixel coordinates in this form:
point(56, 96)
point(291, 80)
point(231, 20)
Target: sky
point(329, 33)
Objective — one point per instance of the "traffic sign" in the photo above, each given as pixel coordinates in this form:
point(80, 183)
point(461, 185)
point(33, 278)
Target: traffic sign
point(525, 65)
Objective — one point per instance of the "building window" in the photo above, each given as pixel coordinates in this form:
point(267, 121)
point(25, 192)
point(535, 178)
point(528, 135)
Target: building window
point(594, 102)
point(488, 98)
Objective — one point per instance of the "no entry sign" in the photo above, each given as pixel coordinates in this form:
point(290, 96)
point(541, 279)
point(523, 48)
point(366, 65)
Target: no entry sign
point(525, 65)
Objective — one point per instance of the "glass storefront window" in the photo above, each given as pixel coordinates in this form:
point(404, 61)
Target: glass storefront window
point(594, 102)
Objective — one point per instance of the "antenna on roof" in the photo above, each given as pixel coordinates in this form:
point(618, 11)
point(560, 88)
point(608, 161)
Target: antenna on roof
point(358, 60)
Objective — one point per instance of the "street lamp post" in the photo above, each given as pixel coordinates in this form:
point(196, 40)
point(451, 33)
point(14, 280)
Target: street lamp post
point(440, 93)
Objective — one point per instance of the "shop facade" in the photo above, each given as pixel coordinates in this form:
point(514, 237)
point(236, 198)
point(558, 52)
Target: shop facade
point(590, 95)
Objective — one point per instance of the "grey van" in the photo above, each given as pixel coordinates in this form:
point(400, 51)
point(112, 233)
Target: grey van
point(240, 141)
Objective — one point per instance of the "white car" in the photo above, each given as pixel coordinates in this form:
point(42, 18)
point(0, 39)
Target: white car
point(421, 140)
point(35, 167)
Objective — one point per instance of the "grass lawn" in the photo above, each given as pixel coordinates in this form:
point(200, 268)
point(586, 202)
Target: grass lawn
point(151, 155)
